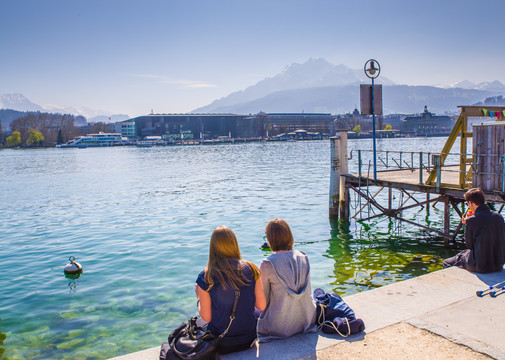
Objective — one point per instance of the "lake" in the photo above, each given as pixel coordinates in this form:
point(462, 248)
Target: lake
point(139, 220)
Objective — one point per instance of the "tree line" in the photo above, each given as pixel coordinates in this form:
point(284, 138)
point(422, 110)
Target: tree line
point(42, 129)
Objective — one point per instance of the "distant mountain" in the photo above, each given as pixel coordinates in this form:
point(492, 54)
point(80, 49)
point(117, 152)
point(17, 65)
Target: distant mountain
point(465, 84)
point(489, 86)
point(312, 73)
point(92, 115)
point(319, 86)
point(492, 101)
point(343, 99)
point(7, 116)
point(18, 102)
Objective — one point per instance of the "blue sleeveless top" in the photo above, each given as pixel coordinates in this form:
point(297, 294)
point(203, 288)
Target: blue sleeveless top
point(243, 328)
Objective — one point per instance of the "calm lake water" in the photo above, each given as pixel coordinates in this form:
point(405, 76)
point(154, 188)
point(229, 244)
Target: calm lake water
point(139, 221)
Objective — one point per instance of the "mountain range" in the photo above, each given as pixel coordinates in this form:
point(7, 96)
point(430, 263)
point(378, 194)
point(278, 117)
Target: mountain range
point(313, 86)
point(19, 102)
point(319, 86)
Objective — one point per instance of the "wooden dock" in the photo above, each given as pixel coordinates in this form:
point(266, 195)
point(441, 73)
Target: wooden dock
point(428, 175)
point(410, 180)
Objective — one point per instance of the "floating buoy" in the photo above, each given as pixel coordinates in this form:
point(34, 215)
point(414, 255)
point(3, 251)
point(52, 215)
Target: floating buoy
point(72, 267)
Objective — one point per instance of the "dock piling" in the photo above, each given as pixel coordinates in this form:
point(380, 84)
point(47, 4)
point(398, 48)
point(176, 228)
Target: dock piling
point(339, 193)
point(344, 189)
point(437, 164)
point(420, 167)
point(334, 175)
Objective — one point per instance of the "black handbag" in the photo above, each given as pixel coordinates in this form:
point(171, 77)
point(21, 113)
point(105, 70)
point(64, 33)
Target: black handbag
point(192, 342)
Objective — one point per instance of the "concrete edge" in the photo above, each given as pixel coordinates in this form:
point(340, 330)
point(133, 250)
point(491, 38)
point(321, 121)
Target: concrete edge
point(324, 341)
point(459, 339)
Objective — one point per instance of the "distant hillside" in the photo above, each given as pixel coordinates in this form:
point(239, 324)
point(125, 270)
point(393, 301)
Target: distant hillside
point(411, 99)
point(342, 99)
point(490, 86)
point(7, 116)
point(492, 101)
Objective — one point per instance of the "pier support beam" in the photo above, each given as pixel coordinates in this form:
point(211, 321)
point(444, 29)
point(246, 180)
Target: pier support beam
point(344, 189)
point(447, 220)
point(338, 190)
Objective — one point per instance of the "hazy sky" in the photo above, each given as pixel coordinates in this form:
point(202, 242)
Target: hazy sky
point(129, 57)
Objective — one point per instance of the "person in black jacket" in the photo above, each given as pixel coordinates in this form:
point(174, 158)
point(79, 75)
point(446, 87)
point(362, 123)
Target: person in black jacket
point(484, 237)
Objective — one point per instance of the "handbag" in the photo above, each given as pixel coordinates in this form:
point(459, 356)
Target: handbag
point(334, 316)
point(333, 304)
point(192, 342)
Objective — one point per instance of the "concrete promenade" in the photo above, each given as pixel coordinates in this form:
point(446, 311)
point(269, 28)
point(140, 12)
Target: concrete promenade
point(443, 303)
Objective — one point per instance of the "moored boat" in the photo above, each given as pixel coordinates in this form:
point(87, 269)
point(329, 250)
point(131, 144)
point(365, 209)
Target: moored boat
point(96, 140)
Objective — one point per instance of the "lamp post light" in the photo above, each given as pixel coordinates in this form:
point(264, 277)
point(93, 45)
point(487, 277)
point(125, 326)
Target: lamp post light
point(372, 71)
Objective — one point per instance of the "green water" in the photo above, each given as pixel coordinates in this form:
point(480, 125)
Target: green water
point(139, 221)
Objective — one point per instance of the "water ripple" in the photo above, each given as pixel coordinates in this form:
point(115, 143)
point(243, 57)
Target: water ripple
point(139, 221)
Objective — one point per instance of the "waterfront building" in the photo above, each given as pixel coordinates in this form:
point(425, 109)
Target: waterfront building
point(173, 127)
point(427, 124)
point(395, 120)
point(279, 123)
point(349, 121)
point(197, 126)
point(126, 128)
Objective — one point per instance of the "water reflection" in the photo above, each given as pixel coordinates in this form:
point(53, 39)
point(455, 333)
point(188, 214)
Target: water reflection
point(375, 254)
point(72, 283)
point(2, 339)
point(138, 211)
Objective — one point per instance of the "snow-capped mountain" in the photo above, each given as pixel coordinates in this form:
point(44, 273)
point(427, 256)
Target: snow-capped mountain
point(489, 86)
point(18, 102)
point(312, 73)
point(21, 103)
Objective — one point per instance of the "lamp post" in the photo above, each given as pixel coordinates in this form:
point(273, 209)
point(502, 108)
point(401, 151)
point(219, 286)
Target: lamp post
point(372, 71)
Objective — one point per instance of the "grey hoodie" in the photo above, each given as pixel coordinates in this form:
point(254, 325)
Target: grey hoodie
point(290, 309)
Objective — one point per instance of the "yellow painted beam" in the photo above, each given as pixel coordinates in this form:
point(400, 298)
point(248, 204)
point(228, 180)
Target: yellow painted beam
point(447, 147)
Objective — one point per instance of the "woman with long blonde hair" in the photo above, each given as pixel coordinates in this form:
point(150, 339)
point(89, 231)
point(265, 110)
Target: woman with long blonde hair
point(216, 286)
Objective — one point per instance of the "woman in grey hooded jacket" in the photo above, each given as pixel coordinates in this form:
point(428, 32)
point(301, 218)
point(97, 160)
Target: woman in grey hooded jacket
point(286, 281)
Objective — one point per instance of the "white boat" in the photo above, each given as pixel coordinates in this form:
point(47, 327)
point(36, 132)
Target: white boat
point(96, 140)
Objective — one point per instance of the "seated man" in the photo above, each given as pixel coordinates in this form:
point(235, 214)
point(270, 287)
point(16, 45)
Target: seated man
point(484, 237)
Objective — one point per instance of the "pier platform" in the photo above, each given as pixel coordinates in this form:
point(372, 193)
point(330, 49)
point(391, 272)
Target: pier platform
point(411, 180)
point(434, 316)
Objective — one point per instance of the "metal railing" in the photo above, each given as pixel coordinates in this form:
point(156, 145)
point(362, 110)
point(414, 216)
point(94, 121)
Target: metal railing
point(435, 162)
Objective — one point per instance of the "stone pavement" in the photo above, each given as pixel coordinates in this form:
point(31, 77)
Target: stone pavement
point(443, 303)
